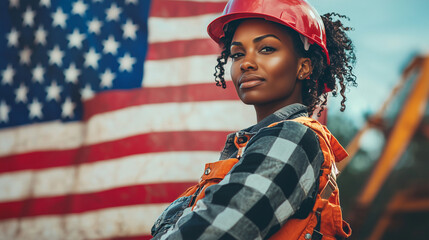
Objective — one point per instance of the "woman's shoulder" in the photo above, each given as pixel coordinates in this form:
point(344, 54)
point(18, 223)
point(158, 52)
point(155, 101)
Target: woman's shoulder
point(288, 129)
point(287, 133)
point(288, 142)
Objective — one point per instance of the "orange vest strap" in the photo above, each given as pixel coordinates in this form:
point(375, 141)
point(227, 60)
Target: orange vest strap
point(322, 131)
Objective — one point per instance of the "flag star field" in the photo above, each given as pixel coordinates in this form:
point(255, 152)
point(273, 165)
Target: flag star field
point(58, 53)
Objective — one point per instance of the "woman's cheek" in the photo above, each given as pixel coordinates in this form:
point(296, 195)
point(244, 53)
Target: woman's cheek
point(235, 72)
point(275, 65)
point(281, 69)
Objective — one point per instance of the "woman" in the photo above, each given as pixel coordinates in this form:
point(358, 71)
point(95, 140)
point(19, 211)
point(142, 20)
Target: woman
point(276, 179)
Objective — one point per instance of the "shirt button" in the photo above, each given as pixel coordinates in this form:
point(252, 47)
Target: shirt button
point(242, 139)
point(207, 171)
point(307, 236)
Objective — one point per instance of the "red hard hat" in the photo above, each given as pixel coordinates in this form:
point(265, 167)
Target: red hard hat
point(296, 14)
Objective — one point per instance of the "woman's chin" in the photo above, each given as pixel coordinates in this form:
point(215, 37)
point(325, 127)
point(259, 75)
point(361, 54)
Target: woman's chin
point(250, 101)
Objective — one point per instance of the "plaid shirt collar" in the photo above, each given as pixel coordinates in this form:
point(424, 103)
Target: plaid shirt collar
point(288, 112)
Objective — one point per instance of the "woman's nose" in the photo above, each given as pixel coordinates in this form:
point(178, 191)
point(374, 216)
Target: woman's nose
point(248, 64)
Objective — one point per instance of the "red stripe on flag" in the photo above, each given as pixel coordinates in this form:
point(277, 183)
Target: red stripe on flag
point(173, 8)
point(182, 48)
point(79, 203)
point(114, 100)
point(145, 143)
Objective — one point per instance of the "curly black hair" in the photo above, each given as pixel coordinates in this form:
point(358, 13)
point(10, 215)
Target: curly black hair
point(339, 74)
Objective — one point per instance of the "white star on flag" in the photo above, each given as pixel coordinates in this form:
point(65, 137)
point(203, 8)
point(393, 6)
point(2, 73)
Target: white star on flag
point(4, 112)
point(14, 3)
point(129, 29)
point(28, 17)
point(35, 109)
point(7, 75)
point(46, 3)
point(107, 78)
point(94, 26)
point(56, 56)
point(113, 13)
point(40, 36)
point(68, 108)
point(110, 45)
point(126, 63)
point(79, 8)
point(91, 58)
point(87, 92)
point(25, 55)
point(75, 39)
point(53, 92)
point(38, 73)
point(12, 38)
point(21, 93)
point(72, 73)
point(59, 18)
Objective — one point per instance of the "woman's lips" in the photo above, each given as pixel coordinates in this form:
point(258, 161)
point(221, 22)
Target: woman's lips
point(250, 81)
point(250, 84)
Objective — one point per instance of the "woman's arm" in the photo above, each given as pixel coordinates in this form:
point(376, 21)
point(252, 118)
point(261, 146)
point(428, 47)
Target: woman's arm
point(277, 172)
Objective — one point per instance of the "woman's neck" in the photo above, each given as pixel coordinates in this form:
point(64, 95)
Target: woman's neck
point(263, 111)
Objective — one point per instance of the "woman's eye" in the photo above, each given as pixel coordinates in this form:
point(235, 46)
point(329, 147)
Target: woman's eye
point(267, 50)
point(236, 55)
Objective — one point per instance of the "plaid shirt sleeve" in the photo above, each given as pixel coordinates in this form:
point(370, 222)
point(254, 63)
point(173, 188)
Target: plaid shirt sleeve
point(277, 173)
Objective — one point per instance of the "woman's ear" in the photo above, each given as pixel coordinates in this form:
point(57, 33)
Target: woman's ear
point(304, 68)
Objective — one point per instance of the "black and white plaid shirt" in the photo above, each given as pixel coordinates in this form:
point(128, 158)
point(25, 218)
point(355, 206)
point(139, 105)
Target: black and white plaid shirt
point(275, 179)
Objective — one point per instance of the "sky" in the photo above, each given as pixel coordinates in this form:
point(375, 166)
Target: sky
point(387, 33)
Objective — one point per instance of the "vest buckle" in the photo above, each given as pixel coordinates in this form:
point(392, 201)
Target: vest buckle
point(329, 188)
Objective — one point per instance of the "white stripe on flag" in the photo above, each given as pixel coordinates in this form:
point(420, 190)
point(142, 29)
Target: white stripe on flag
point(170, 72)
point(56, 136)
point(104, 175)
point(106, 223)
point(179, 28)
point(127, 122)
point(188, 116)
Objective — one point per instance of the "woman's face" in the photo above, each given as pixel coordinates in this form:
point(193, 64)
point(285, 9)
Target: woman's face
point(265, 68)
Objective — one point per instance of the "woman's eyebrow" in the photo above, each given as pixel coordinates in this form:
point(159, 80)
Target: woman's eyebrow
point(258, 39)
point(236, 44)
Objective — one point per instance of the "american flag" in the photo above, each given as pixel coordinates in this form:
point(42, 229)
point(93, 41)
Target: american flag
point(108, 111)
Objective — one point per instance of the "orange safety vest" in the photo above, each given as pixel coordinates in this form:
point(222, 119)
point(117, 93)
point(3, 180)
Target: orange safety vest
point(325, 221)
